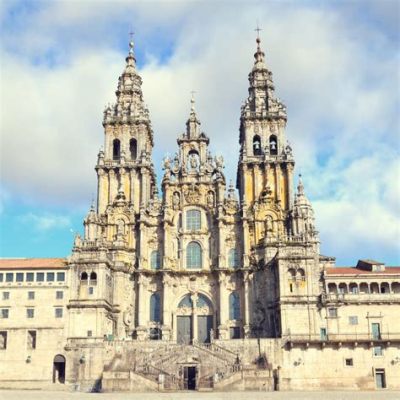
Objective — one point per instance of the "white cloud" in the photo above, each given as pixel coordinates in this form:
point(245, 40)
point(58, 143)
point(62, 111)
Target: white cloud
point(45, 222)
point(336, 73)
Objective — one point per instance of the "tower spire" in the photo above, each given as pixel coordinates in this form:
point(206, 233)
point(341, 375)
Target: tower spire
point(193, 123)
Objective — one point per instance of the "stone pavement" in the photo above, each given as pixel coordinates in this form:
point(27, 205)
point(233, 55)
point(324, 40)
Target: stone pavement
point(47, 395)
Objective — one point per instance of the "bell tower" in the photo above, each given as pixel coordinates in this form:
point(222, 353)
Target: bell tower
point(265, 169)
point(125, 163)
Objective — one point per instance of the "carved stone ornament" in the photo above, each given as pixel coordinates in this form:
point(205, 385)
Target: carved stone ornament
point(192, 194)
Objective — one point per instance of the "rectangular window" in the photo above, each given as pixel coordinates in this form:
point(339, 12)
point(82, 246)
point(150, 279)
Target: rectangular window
point(50, 277)
point(323, 334)
point(31, 340)
point(60, 276)
point(59, 294)
point(91, 290)
point(349, 362)
point(332, 312)
point(19, 277)
point(380, 378)
point(353, 320)
point(89, 333)
point(378, 351)
point(30, 276)
point(58, 312)
point(4, 313)
point(31, 295)
point(30, 312)
point(40, 276)
point(9, 277)
point(193, 220)
point(1, 278)
point(376, 331)
point(6, 295)
point(3, 340)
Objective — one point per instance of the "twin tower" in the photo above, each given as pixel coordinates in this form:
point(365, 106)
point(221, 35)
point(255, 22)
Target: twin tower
point(198, 261)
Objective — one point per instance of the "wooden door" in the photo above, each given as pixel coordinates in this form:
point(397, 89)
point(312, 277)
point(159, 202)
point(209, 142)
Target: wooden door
point(184, 329)
point(204, 326)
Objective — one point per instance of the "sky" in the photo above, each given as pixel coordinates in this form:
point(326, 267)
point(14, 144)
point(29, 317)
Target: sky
point(335, 65)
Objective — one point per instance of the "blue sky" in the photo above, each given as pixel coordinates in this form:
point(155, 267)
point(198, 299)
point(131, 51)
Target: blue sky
point(335, 66)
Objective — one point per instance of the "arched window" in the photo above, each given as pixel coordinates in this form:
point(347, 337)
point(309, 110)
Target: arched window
point(116, 149)
point(186, 302)
point(234, 306)
point(155, 308)
point(300, 274)
point(203, 302)
point(256, 145)
point(273, 145)
point(193, 255)
point(84, 276)
point(133, 149)
point(233, 259)
point(292, 274)
point(93, 276)
point(193, 220)
point(155, 260)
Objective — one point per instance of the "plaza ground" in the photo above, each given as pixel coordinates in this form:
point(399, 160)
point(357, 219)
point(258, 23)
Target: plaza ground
point(48, 395)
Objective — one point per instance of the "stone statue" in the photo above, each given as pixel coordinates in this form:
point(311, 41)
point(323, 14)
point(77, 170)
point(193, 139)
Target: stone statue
point(176, 200)
point(193, 162)
point(210, 199)
point(77, 240)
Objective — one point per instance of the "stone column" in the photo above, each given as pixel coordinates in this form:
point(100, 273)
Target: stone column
point(142, 296)
point(102, 190)
point(167, 323)
point(246, 245)
point(132, 189)
point(289, 167)
point(246, 303)
point(144, 189)
point(111, 185)
point(194, 298)
point(223, 307)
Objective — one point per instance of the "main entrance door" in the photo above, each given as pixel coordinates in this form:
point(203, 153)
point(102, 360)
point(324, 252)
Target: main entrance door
point(189, 376)
point(184, 332)
point(204, 326)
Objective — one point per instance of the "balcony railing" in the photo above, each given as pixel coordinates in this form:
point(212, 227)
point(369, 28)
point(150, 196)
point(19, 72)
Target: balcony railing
point(342, 337)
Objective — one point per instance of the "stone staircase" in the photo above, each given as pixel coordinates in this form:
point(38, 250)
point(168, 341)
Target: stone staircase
point(160, 366)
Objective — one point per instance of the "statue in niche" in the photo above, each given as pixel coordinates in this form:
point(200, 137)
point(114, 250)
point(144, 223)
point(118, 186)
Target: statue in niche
point(268, 224)
point(193, 162)
point(176, 200)
point(210, 199)
point(120, 227)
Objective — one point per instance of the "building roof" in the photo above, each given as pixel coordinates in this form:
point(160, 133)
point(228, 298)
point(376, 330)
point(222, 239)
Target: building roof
point(32, 263)
point(359, 271)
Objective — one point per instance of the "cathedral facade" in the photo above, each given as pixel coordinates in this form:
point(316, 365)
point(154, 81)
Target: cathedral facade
point(201, 286)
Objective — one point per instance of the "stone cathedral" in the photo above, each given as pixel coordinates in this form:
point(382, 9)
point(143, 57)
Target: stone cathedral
point(200, 286)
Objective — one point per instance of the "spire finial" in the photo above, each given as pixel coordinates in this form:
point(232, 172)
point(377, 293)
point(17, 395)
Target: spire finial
point(300, 186)
point(258, 40)
point(131, 43)
point(192, 101)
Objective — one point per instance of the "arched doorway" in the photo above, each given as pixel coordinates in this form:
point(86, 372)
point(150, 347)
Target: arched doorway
point(59, 369)
point(195, 319)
